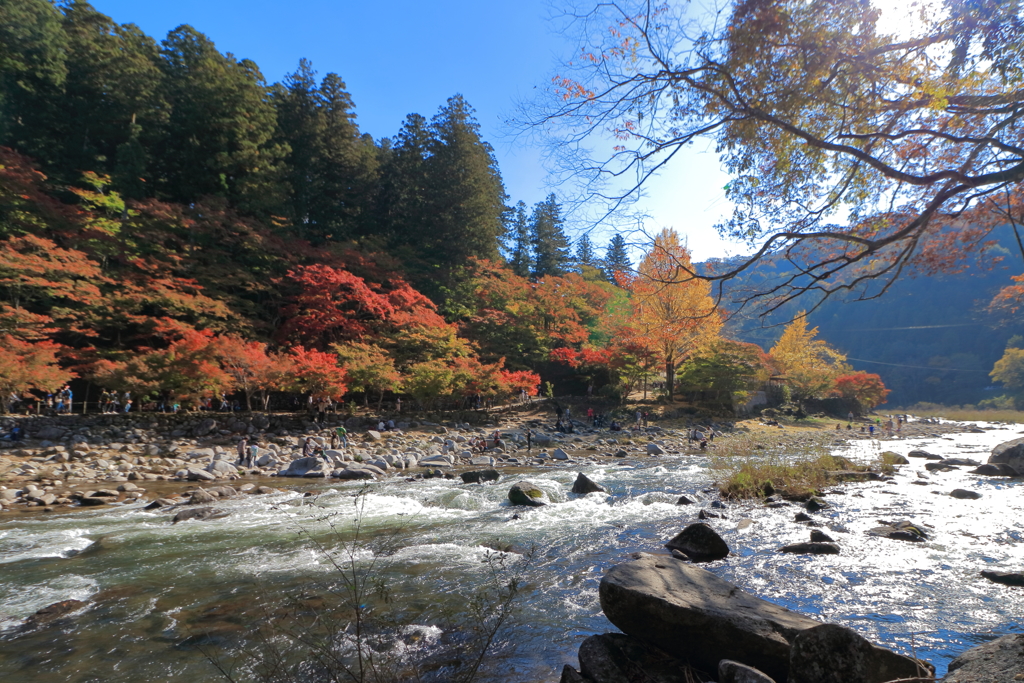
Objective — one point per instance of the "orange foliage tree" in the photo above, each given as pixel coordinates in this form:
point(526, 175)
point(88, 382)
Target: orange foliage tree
point(672, 313)
point(29, 366)
point(864, 387)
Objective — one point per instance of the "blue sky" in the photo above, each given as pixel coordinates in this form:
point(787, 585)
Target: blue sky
point(402, 57)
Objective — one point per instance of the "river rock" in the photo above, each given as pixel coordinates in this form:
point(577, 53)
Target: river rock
point(352, 473)
point(734, 672)
point(923, 454)
point(815, 504)
point(819, 536)
point(222, 468)
point(895, 458)
point(202, 497)
point(373, 434)
point(584, 485)
point(655, 449)
point(527, 493)
point(51, 613)
point(961, 462)
point(312, 467)
point(964, 494)
point(197, 514)
point(941, 466)
point(480, 476)
point(160, 503)
point(695, 616)
point(50, 433)
point(1010, 453)
point(811, 548)
point(559, 454)
point(196, 474)
point(1000, 661)
point(900, 531)
point(988, 470)
point(831, 653)
point(1005, 578)
point(482, 461)
point(700, 543)
point(571, 675)
point(617, 658)
point(90, 501)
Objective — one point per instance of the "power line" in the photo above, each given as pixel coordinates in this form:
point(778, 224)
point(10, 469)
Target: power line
point(912, 327)
point(917, 367)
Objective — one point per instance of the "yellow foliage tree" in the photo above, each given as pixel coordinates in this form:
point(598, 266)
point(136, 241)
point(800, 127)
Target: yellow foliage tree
point(672, 313)
point(810, 365)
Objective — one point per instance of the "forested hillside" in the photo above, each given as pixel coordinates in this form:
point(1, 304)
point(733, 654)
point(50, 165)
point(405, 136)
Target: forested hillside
point(931, 339)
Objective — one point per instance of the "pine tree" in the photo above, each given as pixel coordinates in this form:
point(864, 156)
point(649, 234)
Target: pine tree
point(585, 256)
point(616, 258)
point(550, 245)
point(402, 195)
point(519, 236)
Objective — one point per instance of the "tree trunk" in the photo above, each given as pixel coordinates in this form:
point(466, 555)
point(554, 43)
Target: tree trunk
point(670, 377)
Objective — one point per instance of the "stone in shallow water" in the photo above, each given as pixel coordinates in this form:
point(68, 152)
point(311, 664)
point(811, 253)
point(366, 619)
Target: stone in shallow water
point(699, 542)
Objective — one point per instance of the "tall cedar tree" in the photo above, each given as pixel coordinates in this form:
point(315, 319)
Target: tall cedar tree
point(467, 196)
point(616, 258)
point(220, 134)
point(550, 245)
point(403, 192)
point(520, 257)
point(33, 49)
point(331, 167)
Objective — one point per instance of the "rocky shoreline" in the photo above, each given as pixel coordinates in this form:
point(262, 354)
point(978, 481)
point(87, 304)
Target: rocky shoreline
point(71, 462)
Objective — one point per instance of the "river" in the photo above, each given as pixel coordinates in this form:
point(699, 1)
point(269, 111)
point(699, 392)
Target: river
point(152, 585)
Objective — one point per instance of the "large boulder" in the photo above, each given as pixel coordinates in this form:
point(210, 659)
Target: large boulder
point(222, 469)
point(831, 653)
point(699, 542)
point(965, 494)
point(697, 617)
point(353, 471)
point(196, 474)
point(584, 485)
point(1010, 453)
point(988, 470)
point(527, 493)
point(617, 658)
point(1000, 661)
point(50, 433)
point(312, 467)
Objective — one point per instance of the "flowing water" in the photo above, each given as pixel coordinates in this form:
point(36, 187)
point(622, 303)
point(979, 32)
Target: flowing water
point(151, 585)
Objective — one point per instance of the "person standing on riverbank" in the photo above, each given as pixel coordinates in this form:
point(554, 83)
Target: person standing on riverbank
point(343, 435)
point(242, 449)
point(529, 439)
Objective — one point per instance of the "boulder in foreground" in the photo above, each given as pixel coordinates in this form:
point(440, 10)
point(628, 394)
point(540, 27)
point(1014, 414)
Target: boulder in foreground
point(1001, 661)
point(701, 619)
point(734, 672)
point(1005, 578)
point(831, 653)
point(617, 658)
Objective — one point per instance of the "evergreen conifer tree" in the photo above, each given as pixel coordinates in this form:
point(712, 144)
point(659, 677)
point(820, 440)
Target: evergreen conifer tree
point(616, 259)
point(219, 135)
point(585, 256)
point(520, 258)
point(552, 255)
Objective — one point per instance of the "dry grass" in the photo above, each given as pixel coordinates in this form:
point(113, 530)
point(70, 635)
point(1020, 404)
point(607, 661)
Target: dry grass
point(758, 463)
point(964, 413)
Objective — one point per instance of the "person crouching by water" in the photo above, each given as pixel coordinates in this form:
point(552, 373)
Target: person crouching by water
point(309, 448)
